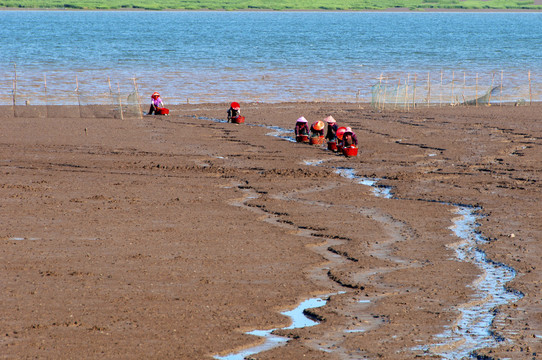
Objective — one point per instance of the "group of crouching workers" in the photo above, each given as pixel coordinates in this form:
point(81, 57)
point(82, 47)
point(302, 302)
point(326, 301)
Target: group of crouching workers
point(339, 139)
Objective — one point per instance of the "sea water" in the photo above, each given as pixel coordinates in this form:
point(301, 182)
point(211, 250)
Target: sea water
point(270, 56)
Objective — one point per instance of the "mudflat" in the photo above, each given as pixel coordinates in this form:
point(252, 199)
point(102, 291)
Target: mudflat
point(169, 237)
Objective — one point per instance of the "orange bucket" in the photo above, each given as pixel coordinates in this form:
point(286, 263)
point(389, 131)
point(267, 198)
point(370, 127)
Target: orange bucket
point(317, 140)
point(302, 138)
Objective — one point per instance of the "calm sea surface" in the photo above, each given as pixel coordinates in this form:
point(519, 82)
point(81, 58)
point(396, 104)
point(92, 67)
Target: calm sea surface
point(261, 56)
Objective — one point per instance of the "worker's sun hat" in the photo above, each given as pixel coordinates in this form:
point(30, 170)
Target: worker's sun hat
point(319, 125)
point(330, 120)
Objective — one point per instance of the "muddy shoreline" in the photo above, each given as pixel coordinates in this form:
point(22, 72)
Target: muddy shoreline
point(170, 237)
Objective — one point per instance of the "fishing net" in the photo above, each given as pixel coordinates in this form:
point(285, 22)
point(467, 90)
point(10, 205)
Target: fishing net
point(386, 95)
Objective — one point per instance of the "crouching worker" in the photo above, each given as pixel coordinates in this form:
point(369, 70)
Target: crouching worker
point(234, 113)
point(349, 138)
point(317, 133)
point(157, 105)
point(332, 127)
point(331, 135)
point(301, 130)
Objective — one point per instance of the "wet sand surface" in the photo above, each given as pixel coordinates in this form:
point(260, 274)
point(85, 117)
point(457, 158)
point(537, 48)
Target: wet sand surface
point(170, 237)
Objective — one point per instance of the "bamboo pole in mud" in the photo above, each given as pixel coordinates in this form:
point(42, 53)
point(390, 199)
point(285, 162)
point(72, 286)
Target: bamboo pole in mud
point(138, 99)
point(452, 94)
point(379, 101)
point(491, 89)
point(397, 93)
point(78, 96)
point(385, 97)
point(120, 102)
point(414, 91)
point(45, 93)
point(428, 88)
point(406, 92)
point(14, 86)
point(476, 91)
point(464, 84)
point(13, 93)
point(441, 79)
point(500, 100)
point(357, 98)
point(530, 90)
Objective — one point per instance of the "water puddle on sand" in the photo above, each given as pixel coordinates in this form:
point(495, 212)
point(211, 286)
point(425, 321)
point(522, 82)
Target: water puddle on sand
point(299, 320)
point(472, 331)
point(378, 190)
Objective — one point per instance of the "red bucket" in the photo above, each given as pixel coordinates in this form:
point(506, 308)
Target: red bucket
point(332, 145)
point(238, 120)
point(350, 151)
point(302, 138)
point(162, 111)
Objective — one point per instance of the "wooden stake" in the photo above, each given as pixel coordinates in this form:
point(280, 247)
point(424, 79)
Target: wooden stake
point(476, 94)
point(15, 85)
point(441, 84)
point(530, 90)
point(464, 84)
point(500, 101)
point(428, 89)
point(406, 92)
point(379, 98)
point(45, 91)
point(120, 102)
point(414, 91)
point(453, 79)
point(397, 93)
point(385, 96)
point(13, 106)
point(77, 93)
point(491, 89)
point(138, 99)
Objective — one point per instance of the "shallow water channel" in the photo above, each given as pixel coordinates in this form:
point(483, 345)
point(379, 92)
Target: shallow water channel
point(299, 320)
point(472, 330)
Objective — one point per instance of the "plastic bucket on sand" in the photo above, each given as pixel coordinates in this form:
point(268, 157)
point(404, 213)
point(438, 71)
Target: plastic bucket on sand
point(302, 138)
point(162, 111)
point(332, 145)
point(350, 151)
point(316, 140)
point(238, 120)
